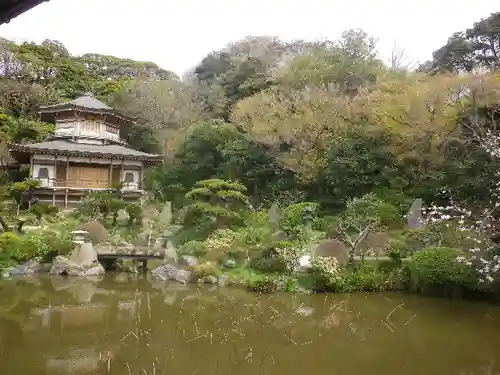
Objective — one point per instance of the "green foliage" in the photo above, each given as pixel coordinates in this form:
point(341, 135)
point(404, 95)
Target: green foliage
point(440, 234)
point(296, 214)
point(476, 48)
point(281, 257)
point(104, 204)
point(17, 190)
point(196, 248)
point(202, 270)
point(264, 284)
point(217, 201)
point(437, 271)
point(134, 212)
point(328, 276)
point(44, 245)
point(272, 283)
point(218, 150)
point(9, 242)
point(325, 272)
point(40, 210)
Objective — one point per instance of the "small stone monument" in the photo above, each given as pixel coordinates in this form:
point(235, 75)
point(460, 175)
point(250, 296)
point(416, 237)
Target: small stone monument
point(165, 217)
point(83, 254)
point(274, 213)
point(170, 255)
point(414, 217)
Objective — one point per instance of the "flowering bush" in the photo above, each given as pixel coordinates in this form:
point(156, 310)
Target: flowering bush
point(265, 284)
point(222, 239)
point(482, 255)
point(486, 262)
point(326, 272)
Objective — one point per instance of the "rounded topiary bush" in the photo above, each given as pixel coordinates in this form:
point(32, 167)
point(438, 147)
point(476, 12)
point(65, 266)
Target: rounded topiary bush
point(437, 271)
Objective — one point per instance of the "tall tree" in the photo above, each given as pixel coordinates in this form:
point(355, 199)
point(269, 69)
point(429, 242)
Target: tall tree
point(477, 48)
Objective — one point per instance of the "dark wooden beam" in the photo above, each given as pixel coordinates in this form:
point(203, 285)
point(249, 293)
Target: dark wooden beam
point(10, 9)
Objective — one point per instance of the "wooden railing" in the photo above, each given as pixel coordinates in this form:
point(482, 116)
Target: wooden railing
point(84, 184)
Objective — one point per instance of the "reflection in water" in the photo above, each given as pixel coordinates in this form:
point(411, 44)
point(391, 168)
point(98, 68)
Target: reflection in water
point(125, 324)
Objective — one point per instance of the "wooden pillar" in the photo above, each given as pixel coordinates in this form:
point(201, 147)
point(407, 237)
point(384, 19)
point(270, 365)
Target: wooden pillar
point(54, 181)
point(67, 171)
point(110, 173)
point(141, 176)
point(31, 166)
point(66, 183)
point(121, 171)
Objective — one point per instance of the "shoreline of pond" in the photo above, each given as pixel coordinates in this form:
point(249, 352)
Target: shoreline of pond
point(369, 276)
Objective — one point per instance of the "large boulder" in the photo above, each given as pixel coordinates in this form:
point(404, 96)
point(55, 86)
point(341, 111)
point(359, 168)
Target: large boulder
point(84, 255)
point(66, 267)
point(63, 266)
point(414, 217)
point(187, 261)
point(171, 272)
point(31, 267)
point(333, 248)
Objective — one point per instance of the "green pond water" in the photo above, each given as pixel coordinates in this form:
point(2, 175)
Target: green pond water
point(127, 324)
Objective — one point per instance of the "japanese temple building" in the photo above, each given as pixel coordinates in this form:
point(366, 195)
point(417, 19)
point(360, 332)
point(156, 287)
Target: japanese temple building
point(85, 153)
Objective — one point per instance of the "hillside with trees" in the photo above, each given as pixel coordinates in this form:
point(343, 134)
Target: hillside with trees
point(292, 121)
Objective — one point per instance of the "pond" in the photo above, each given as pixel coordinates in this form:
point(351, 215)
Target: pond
point(128, 324)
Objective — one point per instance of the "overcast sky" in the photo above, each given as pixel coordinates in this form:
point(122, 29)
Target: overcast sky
point(177, 34)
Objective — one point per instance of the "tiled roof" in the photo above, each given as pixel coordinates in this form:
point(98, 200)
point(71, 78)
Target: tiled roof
point(65, 146)
point(86, 101)
point(89, 102)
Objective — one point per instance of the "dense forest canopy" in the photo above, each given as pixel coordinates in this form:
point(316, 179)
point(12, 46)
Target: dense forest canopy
point(316, 120)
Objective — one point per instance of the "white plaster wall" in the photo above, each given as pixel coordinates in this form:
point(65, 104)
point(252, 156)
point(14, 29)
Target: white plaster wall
point(76, 127)
point(45, 182)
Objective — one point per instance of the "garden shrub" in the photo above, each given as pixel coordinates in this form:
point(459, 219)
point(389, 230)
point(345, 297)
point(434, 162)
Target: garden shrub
point(280, 257)
point(223, 202)
point(436, 271)
point(258, 228)
point(264, 284)
point(43, 245)
point(102, 204)
point(202, 270)
point(196, 248)
point(8, 243)
point(198, 232)
point(294, 215)
point(40, 210)
point(134, 212)
point(365, 279)
point(440, 234)
point(325, 273)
